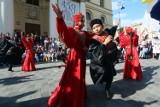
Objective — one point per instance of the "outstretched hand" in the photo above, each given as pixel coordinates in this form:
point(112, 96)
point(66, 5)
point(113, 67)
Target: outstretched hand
point(22, 33)
point(117, 22)
point(57, 10)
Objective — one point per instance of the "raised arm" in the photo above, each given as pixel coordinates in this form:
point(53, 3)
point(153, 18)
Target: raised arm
point(24, 41)
point(67, 34)
point(57, 10)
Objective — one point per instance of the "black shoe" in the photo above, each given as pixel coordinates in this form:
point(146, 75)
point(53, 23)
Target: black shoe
point(10, 70)
point(108, 94)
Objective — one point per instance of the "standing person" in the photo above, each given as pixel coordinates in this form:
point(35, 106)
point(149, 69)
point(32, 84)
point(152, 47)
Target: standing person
point(6, 52)
point(101, 51)
point(132, 67)
point(71, 90)
point(28, 64)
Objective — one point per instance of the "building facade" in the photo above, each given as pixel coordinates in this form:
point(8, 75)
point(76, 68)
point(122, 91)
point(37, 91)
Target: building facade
point(37, 16)
point(101, 9)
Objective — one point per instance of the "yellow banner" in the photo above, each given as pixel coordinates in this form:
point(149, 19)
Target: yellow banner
point(146, 1)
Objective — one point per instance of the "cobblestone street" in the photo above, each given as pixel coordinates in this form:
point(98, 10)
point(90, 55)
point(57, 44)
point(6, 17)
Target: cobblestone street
point(32, 89)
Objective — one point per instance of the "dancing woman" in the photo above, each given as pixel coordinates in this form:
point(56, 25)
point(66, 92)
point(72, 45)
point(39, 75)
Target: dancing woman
point(28, 64)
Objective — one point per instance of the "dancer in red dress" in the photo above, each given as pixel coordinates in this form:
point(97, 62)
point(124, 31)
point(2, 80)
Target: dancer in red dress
point(71, 90)
point(28, 64)
point(132, 68)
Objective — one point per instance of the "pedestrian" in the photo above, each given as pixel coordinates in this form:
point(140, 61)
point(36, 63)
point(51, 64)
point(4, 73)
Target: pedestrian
point(28, 64)
point(8, 52)
point(129, 41)
point(71, 90)
point(101, 50)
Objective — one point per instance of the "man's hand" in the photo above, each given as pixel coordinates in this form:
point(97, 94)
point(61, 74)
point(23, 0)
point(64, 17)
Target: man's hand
point(108, 39)
point(57, 10)
point(117, 23)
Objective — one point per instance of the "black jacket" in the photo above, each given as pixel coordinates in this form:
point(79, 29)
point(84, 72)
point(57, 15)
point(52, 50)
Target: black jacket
point(101, 67)
point(9, 53)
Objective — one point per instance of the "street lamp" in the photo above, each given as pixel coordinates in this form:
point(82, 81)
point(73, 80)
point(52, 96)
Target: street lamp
point(121, 7)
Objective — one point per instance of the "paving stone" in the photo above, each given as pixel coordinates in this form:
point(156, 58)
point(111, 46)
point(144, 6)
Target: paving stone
point(32, 89)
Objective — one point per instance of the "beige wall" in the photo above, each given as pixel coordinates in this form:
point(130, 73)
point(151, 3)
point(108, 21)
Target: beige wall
point(107, 3)
point(21, 11)
point(93, 7)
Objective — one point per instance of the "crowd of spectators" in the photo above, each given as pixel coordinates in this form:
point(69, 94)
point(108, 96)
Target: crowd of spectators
point(46, 49)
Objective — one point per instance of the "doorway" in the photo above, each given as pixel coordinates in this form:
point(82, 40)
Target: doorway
point(32, 28)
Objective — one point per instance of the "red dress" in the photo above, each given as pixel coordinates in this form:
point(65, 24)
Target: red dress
point(71, 90)
point(28, 64)
point(132, 68)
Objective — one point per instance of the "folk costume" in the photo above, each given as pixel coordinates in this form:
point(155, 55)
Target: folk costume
point(8, 53)
point(102, 58)
point(132, 67)
point(101, 68)
point(28, 64)
point(71, 90)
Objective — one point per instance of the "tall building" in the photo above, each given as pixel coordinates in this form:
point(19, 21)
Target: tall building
point(37, 16)
point(101, 9)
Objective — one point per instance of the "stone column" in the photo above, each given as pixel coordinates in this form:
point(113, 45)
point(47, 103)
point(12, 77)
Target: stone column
point(7, 16)
point(52, 21)
point(83, 10)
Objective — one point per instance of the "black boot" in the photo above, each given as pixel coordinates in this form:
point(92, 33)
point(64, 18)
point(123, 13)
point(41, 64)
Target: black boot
point(10, 68)
point(108, 94)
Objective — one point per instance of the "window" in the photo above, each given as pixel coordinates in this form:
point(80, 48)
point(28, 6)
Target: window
point(102, 3)
point(33, 2)
point(88, 16)
point(103, 19)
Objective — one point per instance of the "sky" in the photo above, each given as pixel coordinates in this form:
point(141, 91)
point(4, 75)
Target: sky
point(133, 13)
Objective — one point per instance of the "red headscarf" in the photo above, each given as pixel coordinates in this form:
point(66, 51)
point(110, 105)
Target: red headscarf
point(129, 29)
point(78, 17)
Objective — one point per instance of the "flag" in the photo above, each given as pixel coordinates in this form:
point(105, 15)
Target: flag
point(146, 1)
point(155, 11)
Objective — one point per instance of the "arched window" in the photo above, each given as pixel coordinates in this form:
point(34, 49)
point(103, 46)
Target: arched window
point(102, 3)
point(88, 16)
point(103, 19)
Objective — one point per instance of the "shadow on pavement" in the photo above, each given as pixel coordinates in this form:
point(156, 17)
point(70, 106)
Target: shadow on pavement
point(96, 98)
point(128, 87)
point(15, 80)
point(13, 101)
point(124, 88)
point(42, 68)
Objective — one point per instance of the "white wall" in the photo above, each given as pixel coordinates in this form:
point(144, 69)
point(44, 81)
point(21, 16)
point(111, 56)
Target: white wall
point(6, 16)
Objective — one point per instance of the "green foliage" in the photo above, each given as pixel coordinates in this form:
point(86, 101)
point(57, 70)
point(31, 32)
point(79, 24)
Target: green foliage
point(121, 29)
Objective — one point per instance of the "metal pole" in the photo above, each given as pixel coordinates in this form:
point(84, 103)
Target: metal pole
point(119, 19)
